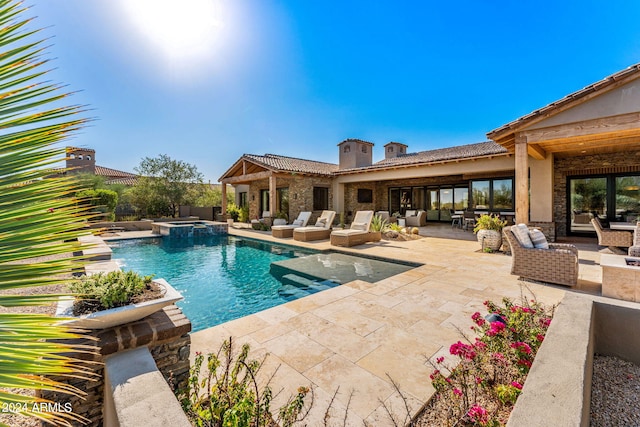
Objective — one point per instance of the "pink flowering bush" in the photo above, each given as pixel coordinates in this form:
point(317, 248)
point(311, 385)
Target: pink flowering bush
point(487, 373)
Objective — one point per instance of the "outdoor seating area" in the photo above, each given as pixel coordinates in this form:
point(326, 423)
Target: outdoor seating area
point(357, 234)
point(320, 230)
point(415, 218)
point(532, 257)
point(284, 231)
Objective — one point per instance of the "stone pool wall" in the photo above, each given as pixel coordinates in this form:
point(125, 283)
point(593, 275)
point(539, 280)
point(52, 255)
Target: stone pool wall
point(189, 229)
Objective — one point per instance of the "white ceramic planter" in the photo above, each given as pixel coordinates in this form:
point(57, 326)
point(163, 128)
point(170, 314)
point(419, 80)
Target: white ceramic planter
point(119, 315)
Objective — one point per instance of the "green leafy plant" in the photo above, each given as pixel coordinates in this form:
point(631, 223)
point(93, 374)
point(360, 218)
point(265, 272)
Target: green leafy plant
point(113, 289)
point(233, 211)
point(223, 390)
point(103, 201)
point(39, 222)
point(394, 226)
point(243, 215)
point(378, 224)
point(489, 222)
point(489, 371)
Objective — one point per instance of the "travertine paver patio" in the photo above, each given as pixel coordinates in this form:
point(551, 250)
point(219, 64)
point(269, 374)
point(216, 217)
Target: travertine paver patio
point(358, 337)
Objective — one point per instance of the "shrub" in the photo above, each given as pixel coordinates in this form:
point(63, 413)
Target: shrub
point(108, 290)
point(378, 224)
point(486, 380)
point(489, 222)
point(104, 201)
point(243, 214)
point(233, 211)
point(227, 392)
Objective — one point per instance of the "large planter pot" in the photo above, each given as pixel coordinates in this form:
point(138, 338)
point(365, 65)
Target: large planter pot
point(119, 315)
point(491, 239)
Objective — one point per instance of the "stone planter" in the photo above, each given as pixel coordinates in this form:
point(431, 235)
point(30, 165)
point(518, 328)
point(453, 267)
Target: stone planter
point(119, 315)
point(491, 239)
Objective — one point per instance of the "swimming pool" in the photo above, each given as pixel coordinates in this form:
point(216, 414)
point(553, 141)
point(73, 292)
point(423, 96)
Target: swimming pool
point(225, 277)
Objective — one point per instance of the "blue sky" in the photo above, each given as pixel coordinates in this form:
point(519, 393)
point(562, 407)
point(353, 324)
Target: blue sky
point(222, 78)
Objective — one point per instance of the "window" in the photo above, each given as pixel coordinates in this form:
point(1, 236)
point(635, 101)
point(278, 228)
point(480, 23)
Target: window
point(346, 149)
point(88, 157)
point(492, 194)
point(242, 199)
point(365, 195)
point(79, 156)
point(364, 148)
point(264, 201)
point(390, 149)
point(282, 200)
point(460, 198)
point(320, 198)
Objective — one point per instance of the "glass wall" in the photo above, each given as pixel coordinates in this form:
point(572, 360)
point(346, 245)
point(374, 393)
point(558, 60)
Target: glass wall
point(480, 191)
point(446, 203)
point(502, 195)
point(460, 198)
point(627, 198)
point(492, 195)
point(433, 205)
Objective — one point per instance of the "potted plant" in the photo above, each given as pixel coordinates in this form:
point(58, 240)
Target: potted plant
point(488, 230)
point(109, 299)
point(377, 227)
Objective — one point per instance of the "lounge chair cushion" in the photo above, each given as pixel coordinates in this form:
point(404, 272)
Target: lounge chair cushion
point(321, 222)
point(521, 231)
point(359, 226)
point(538, 239)
point(298, 222)
point(410, 213)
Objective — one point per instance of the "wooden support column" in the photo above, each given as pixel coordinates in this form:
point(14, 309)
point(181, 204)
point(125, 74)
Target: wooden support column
point(224, 198)
point(272, 194)
point(522, 180)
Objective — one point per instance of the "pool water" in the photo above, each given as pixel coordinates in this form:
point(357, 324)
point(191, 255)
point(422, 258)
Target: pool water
point(225, 277)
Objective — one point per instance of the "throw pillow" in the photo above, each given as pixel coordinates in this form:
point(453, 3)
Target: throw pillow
point(521, 231)
point(538, 239)
point(359, 226)
point(321, 222)
point(298, 222)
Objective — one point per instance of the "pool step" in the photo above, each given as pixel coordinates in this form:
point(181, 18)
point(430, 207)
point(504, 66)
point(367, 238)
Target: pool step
point(294, 286)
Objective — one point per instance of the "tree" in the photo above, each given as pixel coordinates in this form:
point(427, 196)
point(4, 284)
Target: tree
point(212, 196)
point(39, 221)
point(103, 202)
point(165, 184)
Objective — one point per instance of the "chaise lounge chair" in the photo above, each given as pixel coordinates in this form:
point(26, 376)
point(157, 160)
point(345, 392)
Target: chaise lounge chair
point(321, 229)
point(357, 234)
point(282, 231)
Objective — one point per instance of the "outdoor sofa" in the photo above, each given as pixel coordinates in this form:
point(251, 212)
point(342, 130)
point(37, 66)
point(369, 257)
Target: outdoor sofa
point(415, 218)
point(357, 234)
point(611, 238)
point(320, 230)
point(283, 231)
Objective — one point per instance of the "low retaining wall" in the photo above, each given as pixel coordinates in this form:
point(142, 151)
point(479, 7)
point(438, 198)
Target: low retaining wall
point(165, 334)
point(557, 391)
point(144, 224)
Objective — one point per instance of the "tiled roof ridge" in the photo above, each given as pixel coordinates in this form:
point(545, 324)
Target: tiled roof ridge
point(79, 148)
point(600, 84)
point(280, 156)
point(356, 140)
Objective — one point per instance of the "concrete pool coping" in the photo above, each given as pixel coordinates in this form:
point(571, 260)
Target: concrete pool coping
point(360, 336)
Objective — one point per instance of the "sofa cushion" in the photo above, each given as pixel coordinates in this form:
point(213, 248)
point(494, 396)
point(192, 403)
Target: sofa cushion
point(359, 226)
point(538, 239)
point(410, 213)
point(521, 231)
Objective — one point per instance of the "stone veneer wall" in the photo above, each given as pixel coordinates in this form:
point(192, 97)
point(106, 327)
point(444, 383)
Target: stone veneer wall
point(300, 194)
point(166, 333)
point(623, 162)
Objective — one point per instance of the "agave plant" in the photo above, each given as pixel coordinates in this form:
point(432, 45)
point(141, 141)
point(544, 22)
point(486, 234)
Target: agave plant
point(39, 219)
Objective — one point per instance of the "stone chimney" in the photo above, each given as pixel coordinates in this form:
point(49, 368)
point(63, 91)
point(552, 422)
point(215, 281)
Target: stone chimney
point(81, 159)
point(355, 153)
point(394, 149)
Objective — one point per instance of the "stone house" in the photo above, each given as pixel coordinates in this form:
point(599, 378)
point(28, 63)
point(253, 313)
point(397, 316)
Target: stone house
point(556, 168)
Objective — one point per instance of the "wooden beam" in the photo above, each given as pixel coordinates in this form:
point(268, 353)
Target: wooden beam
point(605, 125)
point(536, 151)
point(224, 199)
point(522, 180)
point(272, 194)
point(247, 177)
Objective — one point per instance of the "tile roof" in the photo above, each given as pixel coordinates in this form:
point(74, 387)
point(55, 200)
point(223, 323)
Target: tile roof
point(101, 170)
point(587, 90)
point(481, 149)
point(292, 164)
point(126, 181)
